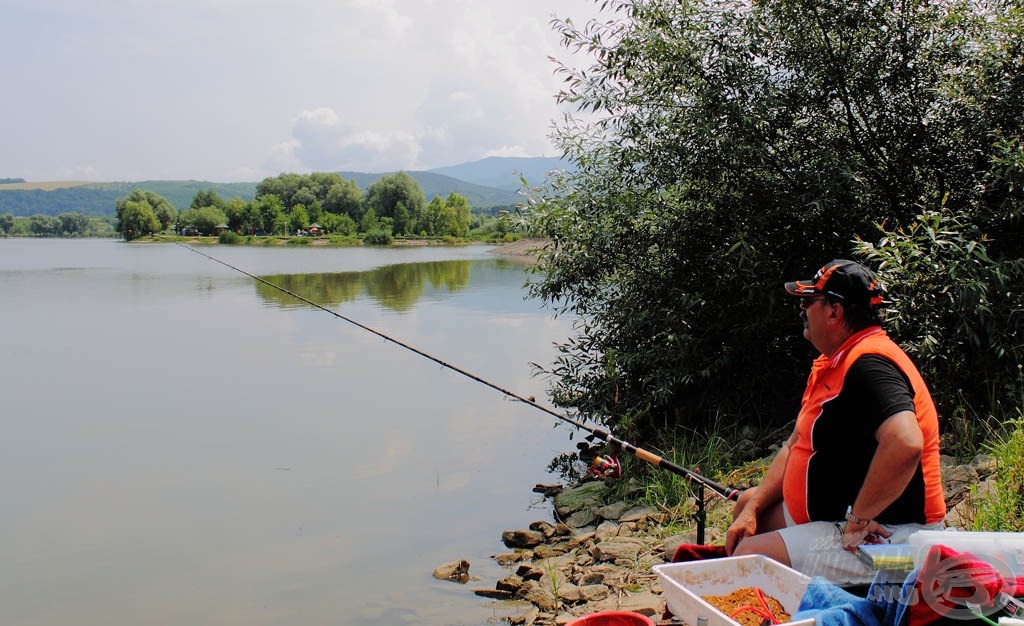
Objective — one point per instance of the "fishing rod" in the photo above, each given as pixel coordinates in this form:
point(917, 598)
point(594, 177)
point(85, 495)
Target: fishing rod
point(728, 493)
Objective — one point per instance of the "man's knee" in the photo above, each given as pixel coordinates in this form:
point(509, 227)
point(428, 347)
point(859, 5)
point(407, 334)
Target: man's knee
point(769, 544)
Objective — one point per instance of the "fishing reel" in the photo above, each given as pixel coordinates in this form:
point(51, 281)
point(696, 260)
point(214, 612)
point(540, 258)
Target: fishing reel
point(606, 467)
point(599, 465)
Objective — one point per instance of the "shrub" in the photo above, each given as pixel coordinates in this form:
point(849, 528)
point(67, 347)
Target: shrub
point(229, 237)
point(957, 312)
point(378, 238)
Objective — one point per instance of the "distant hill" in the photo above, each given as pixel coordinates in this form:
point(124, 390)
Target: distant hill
point(50, 198)
point(504, 172)
point(467, 179)
point(480, 197)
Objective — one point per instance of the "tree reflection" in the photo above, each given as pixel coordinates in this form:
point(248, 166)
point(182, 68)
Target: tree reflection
point(394, 287)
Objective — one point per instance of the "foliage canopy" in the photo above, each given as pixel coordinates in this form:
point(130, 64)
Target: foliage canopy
point(724, 146)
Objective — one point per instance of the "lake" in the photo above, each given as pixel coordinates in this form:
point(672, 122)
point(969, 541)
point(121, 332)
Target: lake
point(182, 445)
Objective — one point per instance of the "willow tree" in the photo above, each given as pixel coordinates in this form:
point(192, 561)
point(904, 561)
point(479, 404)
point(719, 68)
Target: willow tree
point(143, 213)
point(723, 146)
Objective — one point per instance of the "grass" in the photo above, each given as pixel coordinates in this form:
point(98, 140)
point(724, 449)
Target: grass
point(999, 506)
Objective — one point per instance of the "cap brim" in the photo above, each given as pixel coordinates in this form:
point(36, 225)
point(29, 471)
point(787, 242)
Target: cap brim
point(801, 288)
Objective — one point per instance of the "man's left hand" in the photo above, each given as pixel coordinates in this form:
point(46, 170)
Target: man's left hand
point(869, 532)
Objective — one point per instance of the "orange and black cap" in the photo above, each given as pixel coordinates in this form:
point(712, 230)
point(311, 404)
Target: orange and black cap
point(845, 280)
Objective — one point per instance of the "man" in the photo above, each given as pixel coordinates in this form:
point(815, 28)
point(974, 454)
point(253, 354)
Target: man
point(862, 463)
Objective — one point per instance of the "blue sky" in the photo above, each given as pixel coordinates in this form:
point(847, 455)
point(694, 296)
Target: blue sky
point(236, 90)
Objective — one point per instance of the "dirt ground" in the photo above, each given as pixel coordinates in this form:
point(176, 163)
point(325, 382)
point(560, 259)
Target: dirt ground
point(521, 248)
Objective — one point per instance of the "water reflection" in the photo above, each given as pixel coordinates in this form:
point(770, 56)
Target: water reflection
point(394, 287)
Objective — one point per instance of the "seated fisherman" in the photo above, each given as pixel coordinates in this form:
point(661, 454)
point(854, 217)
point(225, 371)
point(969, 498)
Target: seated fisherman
point(862, 463)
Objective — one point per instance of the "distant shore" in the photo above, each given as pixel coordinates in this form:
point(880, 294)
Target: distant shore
point(524, 248)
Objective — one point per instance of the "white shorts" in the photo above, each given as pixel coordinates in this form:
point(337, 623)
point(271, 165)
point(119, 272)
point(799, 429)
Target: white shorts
point(816, 549)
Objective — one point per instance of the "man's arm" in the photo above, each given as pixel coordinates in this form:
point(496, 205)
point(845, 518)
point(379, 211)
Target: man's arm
point(756, 500)
point(900, 444)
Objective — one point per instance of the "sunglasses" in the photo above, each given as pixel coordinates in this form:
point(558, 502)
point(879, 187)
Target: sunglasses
point(806, 303)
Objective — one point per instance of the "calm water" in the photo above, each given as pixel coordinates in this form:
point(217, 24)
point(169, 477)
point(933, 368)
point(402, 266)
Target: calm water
point(182, 446)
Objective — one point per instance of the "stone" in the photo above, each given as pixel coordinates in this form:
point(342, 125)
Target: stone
point(583, 496)
point(644, 602)
point(673, 542)
point(569, 593)
point(616, 549)
point(526, 618)
point(594, 593)
point(612, 511)
point(528, 571)
point(582, 518)
point(547, 551)
point(510, 584)
point(639, 513)
point(958, 478)
point(544, 527)
point(455, 571)
point(495, 594)
point(539, 596)
point(522, 538)
point(984, 464)
point(606, 530)
point(511, 558)
point(563, 530)
point(548, 490)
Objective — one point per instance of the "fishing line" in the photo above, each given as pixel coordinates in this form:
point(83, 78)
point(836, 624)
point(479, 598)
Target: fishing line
point(728, 493)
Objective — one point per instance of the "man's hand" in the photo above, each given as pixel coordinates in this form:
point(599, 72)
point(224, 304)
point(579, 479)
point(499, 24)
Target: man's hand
point(855, 534)
point(744, 521)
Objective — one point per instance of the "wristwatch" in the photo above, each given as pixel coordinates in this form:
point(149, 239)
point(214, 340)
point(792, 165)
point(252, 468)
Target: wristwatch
point(853, 519)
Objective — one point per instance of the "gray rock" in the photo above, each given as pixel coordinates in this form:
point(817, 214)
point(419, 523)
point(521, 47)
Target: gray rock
point(645, 602)
point(522, 538)
point(594, 593)
point(606, 530)
point(641, 513)
point(582, 518)
point(616, 549)
point(586, 495)
point(569, 593)
point(984, 464)
point(612, 511)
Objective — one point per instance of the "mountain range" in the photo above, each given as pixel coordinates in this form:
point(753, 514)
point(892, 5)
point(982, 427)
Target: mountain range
point(489, 184)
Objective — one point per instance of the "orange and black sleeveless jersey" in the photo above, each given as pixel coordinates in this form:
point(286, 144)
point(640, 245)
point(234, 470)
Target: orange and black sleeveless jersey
point(848, 396)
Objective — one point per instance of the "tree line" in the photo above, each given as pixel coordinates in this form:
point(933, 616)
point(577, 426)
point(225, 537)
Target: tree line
point(68, 224)
point(726, 147)
point(291, 204)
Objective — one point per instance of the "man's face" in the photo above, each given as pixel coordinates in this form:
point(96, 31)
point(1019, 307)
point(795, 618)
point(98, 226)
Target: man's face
point(815, 311)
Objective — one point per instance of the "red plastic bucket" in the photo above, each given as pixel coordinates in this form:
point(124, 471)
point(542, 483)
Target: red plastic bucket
point(612, 618)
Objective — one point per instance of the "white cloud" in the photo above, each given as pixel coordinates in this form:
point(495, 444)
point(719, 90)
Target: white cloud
point(220, 89)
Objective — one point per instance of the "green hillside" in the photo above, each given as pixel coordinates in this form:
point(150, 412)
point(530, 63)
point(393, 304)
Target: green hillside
point(504, 172)
point(99, 198)
point(480, 197)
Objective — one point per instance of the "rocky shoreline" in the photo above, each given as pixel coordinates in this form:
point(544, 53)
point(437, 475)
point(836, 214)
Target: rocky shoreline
point(596, 555)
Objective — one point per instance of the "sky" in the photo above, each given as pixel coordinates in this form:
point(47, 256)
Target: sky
point(238, 90)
